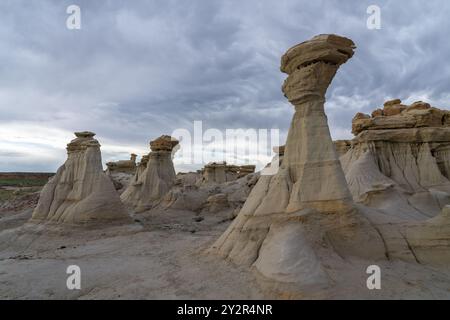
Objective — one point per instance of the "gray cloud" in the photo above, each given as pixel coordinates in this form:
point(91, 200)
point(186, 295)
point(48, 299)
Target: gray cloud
point(138, 69)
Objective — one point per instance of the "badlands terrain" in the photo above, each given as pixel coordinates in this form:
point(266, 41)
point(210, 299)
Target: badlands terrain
point(310, 230)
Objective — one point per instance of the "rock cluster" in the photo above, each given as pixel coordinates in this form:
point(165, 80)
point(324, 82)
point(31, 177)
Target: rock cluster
point(121, 172)
point(221, 172)
point(400, 157)
point(398, 164)
point(125, 166)
point(80, 192)
point(395, 115)
point(154, 176)
point(190, 192)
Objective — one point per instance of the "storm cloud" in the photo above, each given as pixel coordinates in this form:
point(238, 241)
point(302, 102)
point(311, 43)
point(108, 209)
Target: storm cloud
point(139, 69)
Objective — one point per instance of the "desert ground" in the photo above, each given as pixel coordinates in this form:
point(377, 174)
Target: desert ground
point(161, 255)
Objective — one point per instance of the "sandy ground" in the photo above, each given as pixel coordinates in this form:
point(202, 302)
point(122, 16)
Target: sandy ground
point(161, 256)
point(164, 261)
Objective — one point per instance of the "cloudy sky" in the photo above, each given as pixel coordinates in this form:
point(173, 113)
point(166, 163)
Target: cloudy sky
point(138, 69)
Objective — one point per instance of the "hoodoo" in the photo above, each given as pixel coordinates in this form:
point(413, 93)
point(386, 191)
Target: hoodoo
point(80, 192)
point(282, 225)
point(150, 184)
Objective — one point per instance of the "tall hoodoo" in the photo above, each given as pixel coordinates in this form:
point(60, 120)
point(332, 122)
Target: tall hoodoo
point(80, 192)
point(151, 184)
point(287, 216)
point(317, 177)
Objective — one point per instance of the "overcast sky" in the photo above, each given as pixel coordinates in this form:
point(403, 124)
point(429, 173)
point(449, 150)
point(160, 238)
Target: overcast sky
point(139, 69)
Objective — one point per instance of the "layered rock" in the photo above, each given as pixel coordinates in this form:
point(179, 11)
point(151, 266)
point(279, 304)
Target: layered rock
point(80, 192)
point(395, 115)
point(141, 166)
point(219, 188)
point(192, 194)
point(307, 200)
point(154, 176)
point(221, 172)
point(216, 172)
point(125, 166)
point(245, 170)
point(279, 150)
point(399, 159)
point(342, 146)
point(217, 202)
point(121, 172)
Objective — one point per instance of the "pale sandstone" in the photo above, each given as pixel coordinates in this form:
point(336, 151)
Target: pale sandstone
point(154, 176)
point(307, 200)
point(419, 105)
point(409, 150)
point(392, 102)
point(121, 172)
point(221, 172)
point(80, 192)
point(377, 113)
point(396, 116)
point(392, 110)
point(399, 165)
point(342, 146)
point(190, 193)
point(126, 166)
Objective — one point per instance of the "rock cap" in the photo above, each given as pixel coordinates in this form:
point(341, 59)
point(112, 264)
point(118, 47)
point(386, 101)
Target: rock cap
point(328, 48)
point(84, 134)
point(163, 143)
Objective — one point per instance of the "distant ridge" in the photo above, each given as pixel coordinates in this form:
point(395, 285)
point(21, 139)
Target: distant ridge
point(24, 178)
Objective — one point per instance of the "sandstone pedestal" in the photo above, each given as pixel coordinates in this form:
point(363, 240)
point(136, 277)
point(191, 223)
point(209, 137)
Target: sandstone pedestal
point(80, 192)
point(288, 216)
point(154, 176)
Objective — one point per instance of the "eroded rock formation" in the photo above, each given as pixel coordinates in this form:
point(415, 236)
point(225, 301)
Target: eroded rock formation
point(121, 172)
point(395, 115)
point(245, 170)
point(125, 166)
point(307, 200)
point(154, 176)
point(221, 172)
point(400, 159)
point(398, 165)
point(342, 146)
point(191, 193)
point(80, 192)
